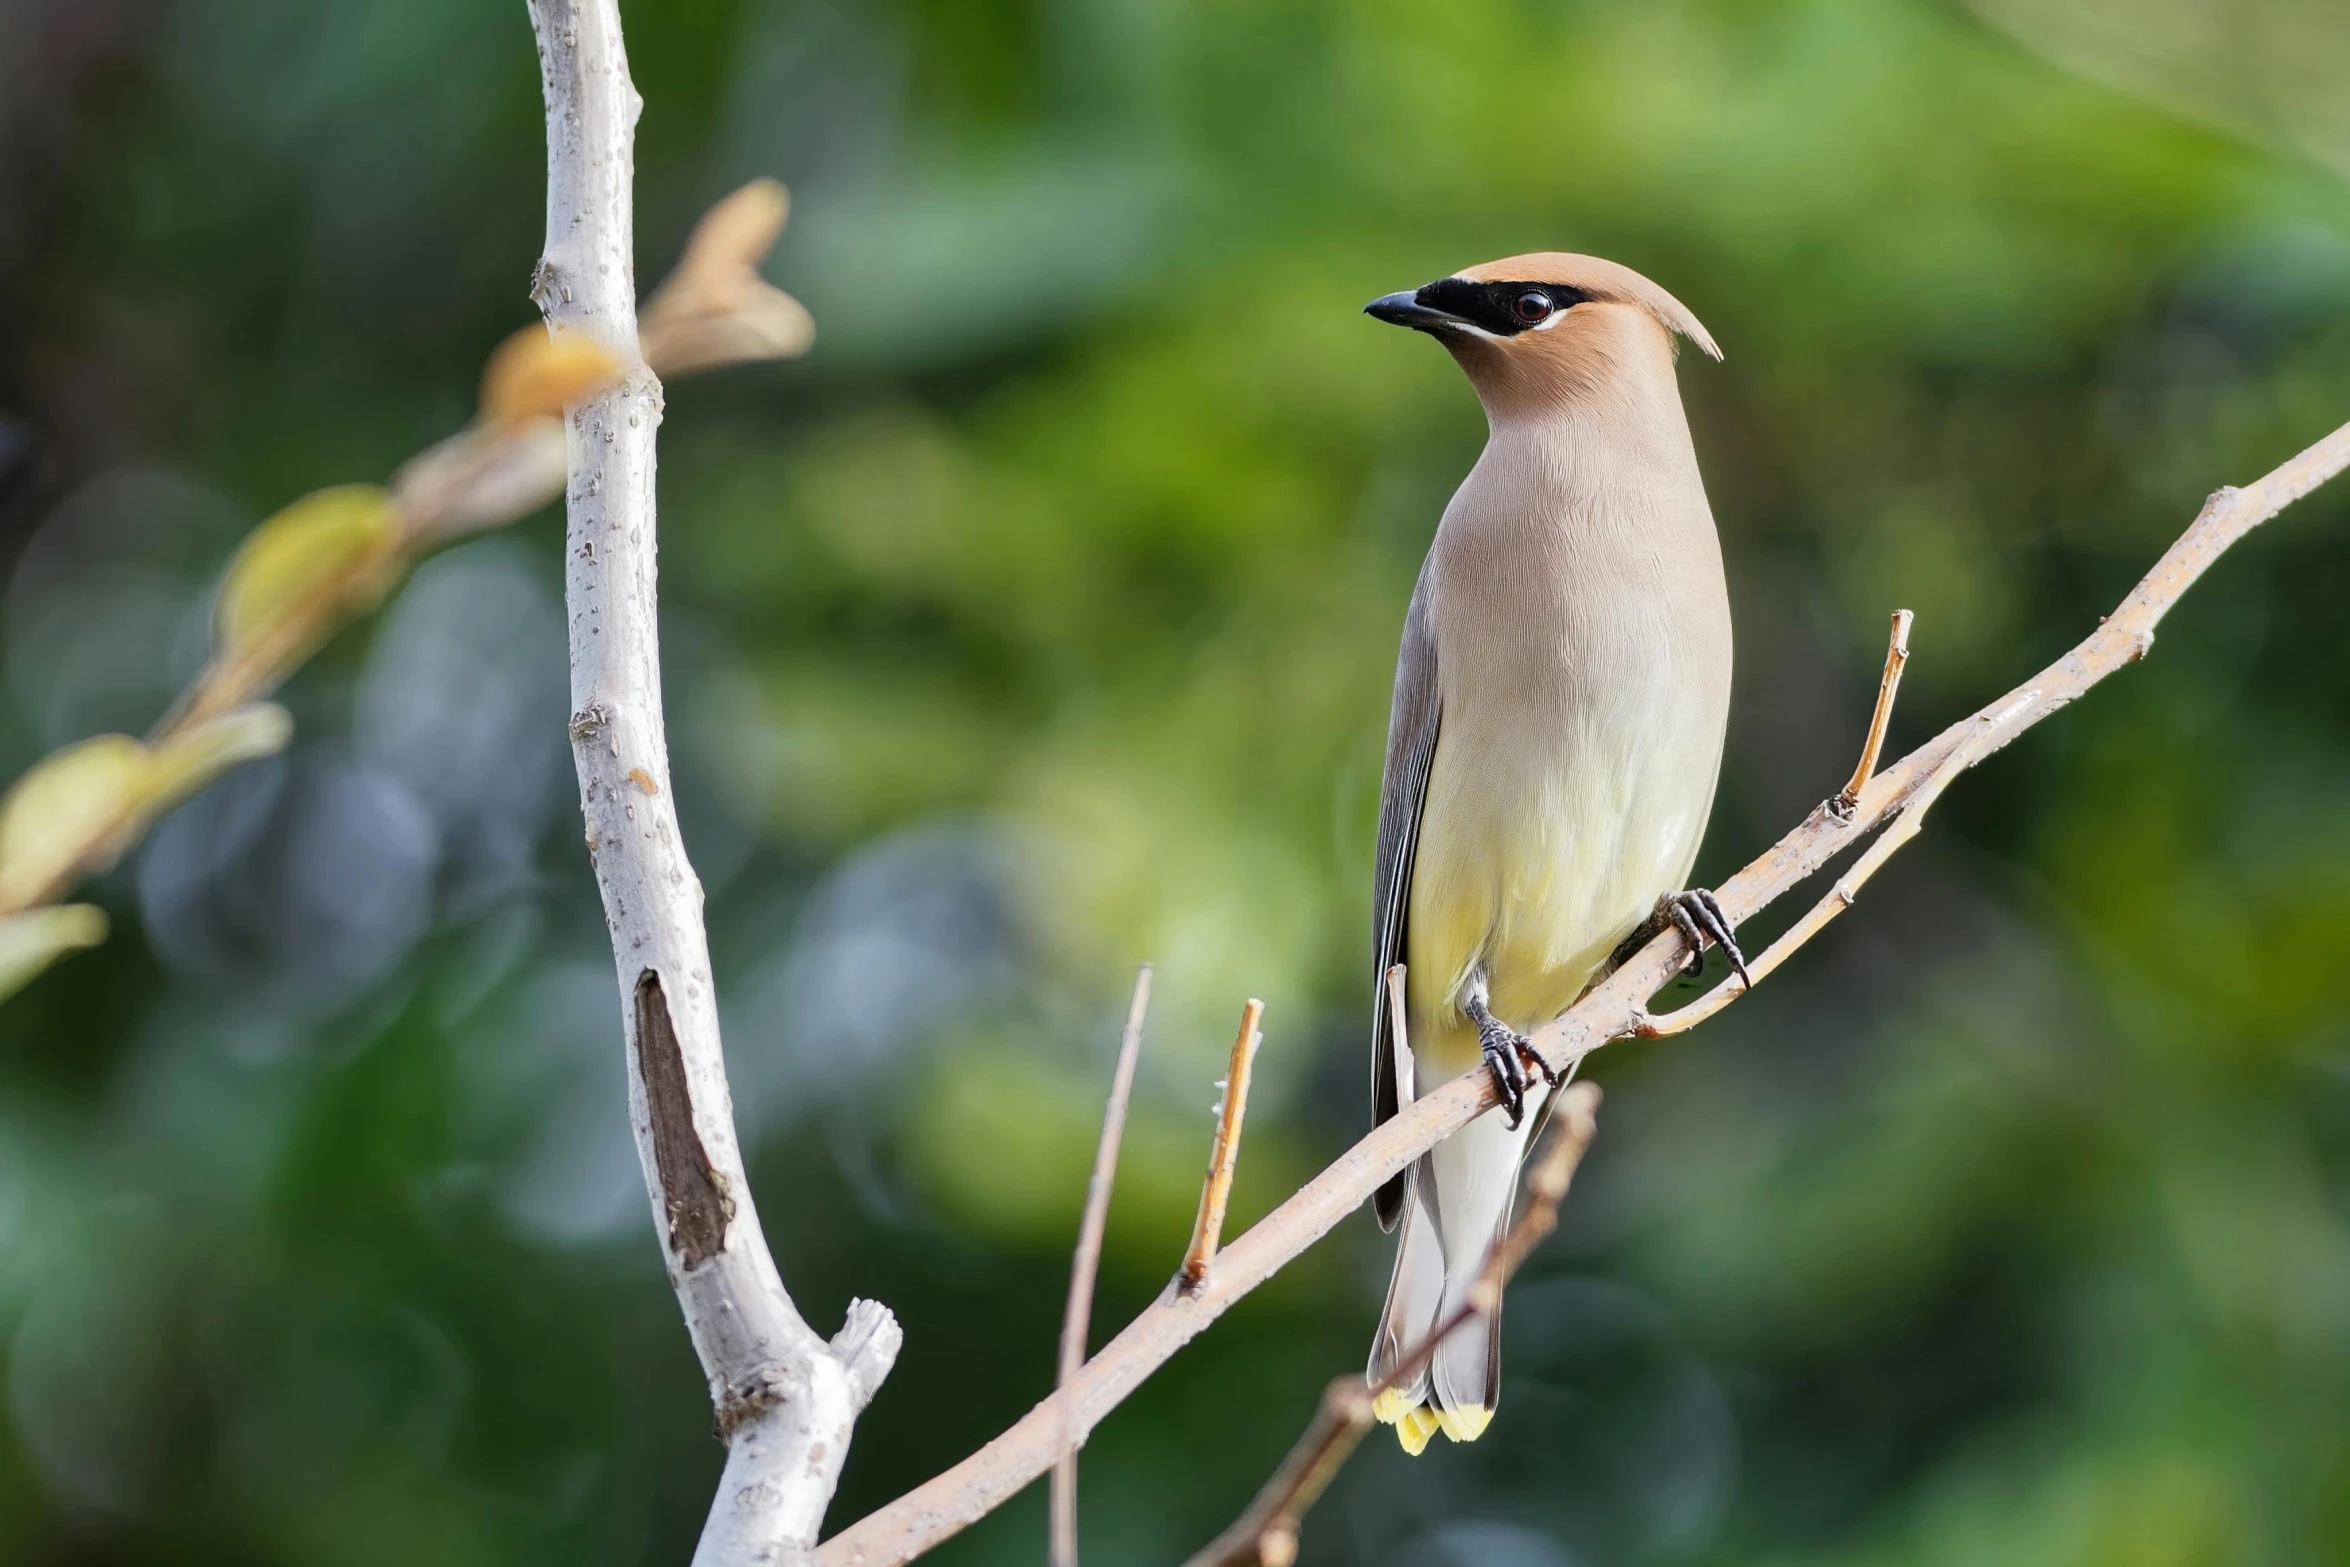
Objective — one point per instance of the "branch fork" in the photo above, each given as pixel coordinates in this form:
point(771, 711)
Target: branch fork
point(1847, 799)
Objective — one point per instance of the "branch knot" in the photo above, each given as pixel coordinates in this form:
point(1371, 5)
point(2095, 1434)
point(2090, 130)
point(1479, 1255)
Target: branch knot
point(546, 287)
point(751, 1395)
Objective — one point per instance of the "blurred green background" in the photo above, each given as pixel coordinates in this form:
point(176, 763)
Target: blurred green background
point(1041, 621)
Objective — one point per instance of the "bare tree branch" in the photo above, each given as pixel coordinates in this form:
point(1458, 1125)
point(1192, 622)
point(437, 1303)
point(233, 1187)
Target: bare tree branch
point(1614, 1009)
point(1265, 1535)
point(1078, 1315)
point(786, 1401)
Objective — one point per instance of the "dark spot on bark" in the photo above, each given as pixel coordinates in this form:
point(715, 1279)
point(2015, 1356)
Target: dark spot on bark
point(692, 1194)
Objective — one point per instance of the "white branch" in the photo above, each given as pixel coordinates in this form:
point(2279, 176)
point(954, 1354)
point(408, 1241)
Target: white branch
point(786, 1401)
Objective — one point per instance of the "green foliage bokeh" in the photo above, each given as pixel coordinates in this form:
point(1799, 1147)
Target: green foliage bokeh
point(1041, 621)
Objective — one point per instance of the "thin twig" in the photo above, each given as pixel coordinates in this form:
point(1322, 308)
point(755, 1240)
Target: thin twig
point(1265, 1535)
point(1888, 684)
point(1223, 1154)
point(1076, 1317)
point(786, 1400)
point(1612, 1009)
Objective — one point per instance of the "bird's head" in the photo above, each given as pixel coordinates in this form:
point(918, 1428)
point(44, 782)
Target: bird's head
point(1547, 328)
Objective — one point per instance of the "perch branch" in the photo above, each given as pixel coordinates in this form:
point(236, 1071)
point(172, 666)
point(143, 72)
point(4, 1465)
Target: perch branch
point(1613, 1009)
point(786, 1400)
point(1224, 1153)
point(1078, 1315)
point(1266, 1534)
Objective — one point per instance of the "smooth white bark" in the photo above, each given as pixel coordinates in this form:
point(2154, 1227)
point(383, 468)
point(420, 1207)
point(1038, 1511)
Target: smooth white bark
point(786, 1400)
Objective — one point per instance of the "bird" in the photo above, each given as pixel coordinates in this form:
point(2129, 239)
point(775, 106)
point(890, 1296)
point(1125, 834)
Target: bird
point(1561, 698)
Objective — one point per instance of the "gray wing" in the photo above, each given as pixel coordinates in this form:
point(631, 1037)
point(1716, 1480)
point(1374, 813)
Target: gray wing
point(1411, 746)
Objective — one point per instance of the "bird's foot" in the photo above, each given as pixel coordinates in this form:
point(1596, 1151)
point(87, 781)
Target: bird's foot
point(1697, 915)
point(1508, 1056)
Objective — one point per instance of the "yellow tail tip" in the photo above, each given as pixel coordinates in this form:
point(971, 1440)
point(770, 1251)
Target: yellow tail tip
point(1416, 1423)
point(1414, 1427)
point(1465, 1424)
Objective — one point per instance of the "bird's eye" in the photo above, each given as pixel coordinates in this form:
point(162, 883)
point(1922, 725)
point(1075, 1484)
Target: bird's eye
point(1532, 306)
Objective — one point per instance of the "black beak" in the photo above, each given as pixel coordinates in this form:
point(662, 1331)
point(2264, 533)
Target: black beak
point(1405, 309)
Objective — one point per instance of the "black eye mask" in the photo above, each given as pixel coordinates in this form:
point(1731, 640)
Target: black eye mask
point(1494, 306)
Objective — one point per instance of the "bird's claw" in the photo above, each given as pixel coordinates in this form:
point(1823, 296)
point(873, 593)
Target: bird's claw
point(1697, 915)
point(1508, 1055)
point(1509, 1075)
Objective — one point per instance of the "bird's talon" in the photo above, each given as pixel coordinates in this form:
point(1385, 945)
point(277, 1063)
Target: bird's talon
point(1697, 914)
point(1504, 1050)
point(1508, 1077)
point(1691, 932)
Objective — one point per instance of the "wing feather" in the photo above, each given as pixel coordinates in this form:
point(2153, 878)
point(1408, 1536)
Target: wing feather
point(1411, 748)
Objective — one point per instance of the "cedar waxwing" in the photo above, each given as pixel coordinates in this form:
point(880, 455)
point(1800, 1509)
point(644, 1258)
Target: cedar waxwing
point(1557, 730)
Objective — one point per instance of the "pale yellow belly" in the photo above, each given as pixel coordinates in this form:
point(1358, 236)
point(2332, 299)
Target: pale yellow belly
point(1531, 869)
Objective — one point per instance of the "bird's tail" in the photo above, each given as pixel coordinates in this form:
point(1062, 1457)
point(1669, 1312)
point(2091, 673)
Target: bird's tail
point(1415, 1297)
point(1458, 1203)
